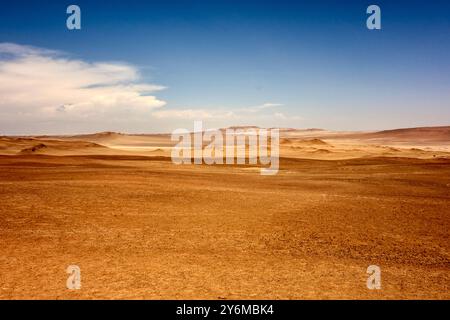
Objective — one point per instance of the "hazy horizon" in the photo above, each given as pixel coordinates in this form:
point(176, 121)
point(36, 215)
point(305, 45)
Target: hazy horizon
point(209, 128)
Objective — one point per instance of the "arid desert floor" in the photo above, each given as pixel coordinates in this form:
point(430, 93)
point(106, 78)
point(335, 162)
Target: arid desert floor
point(140, 227)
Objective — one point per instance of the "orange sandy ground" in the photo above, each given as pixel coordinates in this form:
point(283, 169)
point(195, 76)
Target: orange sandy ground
point(141, 228)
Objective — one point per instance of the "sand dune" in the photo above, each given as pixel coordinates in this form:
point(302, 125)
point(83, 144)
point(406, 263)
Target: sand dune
point(303, 142)
point(34, 149)
point(428, 135)
point(424, 134)
point(10, 146)
point(425, 143)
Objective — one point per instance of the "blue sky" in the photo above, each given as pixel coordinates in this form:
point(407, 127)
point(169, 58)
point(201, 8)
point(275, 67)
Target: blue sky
point(270, 63)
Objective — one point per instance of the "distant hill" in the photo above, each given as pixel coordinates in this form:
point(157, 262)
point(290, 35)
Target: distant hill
point(421, 134)
point(22, 145)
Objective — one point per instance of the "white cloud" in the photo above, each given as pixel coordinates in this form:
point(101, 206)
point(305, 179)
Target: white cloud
point(261, 115)
point(261, 107)
point(39, 84)
point(214, 114)
point(194, 114)
point(280, 115)
point(270, 105)
point(22, 50)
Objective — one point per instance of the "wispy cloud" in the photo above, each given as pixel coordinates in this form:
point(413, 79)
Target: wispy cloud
point(213, 113)
point(270, 105)
point(262, 114)
point(194, 114)
point(263, 106)
point(24, 50)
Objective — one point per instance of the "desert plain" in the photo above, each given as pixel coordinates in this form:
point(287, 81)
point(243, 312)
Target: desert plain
point(141, 227)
